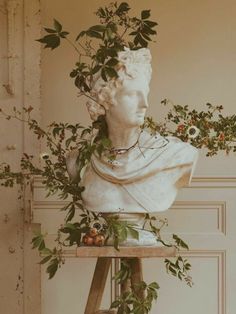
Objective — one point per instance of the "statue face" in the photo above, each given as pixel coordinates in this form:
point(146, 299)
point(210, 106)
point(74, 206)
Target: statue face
point(129, 103)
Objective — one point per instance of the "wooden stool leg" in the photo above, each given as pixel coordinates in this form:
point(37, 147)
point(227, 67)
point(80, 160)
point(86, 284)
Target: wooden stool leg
point(126, 284)
point(98, 285)
point(136, 275)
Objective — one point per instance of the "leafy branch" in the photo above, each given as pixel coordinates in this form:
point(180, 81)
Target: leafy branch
point(207, 129)
point(98, 46)
point(130, 301)
point(178, 266)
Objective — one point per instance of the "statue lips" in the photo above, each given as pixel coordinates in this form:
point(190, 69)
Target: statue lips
point(140, 115)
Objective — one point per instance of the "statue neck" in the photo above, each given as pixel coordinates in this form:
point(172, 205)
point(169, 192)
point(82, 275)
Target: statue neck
point(123, 138)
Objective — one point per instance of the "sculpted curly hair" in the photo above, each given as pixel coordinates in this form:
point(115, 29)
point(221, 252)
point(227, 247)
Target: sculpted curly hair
point(132, 64)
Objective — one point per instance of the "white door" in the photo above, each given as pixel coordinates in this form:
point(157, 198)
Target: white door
point(204, 216)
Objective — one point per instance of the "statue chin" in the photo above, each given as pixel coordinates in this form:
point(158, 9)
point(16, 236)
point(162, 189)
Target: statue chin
point(146, 238)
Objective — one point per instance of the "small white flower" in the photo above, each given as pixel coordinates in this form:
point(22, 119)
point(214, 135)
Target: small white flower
point(193, 131)
point(44, 156)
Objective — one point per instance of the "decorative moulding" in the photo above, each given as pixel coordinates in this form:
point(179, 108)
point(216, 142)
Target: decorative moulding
point(220, 257)
point(217, 208)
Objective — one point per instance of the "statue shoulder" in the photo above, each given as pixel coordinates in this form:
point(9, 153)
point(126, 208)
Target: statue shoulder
point(185, 147)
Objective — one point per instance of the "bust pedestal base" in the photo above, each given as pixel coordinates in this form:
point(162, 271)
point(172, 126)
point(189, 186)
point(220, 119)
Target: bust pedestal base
point(146, 238)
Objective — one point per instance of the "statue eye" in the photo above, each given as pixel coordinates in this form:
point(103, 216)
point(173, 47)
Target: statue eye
point(131, 93)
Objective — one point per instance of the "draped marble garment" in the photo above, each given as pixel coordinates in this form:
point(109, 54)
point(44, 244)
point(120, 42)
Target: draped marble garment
point(145, 179)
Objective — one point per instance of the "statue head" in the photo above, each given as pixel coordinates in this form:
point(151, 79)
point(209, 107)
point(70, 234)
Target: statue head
point(134, 75)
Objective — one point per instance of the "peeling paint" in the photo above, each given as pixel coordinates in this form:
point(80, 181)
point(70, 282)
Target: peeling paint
point(3, 8)
point(8, 89)
point(11, 250)
point(6, 218)
point(19, 284)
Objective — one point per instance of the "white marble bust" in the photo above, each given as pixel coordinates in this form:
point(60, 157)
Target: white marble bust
point(148, 170)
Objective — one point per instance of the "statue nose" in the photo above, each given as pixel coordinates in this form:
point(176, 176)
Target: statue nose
point(144, 103)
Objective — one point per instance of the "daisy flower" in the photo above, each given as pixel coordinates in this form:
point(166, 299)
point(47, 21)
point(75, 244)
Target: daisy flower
point(193, 131)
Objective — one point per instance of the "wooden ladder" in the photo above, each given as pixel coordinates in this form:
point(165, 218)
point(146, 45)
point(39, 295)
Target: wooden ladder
point(132, 255)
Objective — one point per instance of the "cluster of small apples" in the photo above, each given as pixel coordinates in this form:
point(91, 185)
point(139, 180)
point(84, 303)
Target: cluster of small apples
point(94, 236)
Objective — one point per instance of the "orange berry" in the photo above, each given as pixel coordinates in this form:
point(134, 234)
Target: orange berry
point(221, 136)
point(87, 240)
point(93, 232)
point(180, 128)
point(99, 240)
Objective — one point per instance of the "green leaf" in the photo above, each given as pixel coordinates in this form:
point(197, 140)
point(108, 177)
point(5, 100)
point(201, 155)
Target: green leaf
point(172, 270)
point(98, 28)
point(148, 30)
point(115, 304)
point(70, 226)
point(45, 259)
point(71, 214)
point(73, 73)
point(111, 72)
point(133, 33)
point(150, 23)
point(51, 41)
point(36, 241)
point(50, 30)
point(81, 34)
point(95, 69)
point(93, 34)
point(145, 14)
point(123, 235)
point(116, 243)
point(154, 285)
point(63, 34)
point(46, 251)
point(101, 13)
point(68, 141)
point(134, 233)
point(85, 87)
point(139, 40)
point(180, 242)
point(106, 142)
point(145, 36)
point(79, 81)
point(123, 7)
point(42, 245)
point(52, 268)
point(111, 52)
point(58, 26)
point(103, 74)
point(112, 62)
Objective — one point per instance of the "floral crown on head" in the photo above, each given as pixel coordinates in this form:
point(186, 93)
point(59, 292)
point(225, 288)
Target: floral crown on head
point(131, 64)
